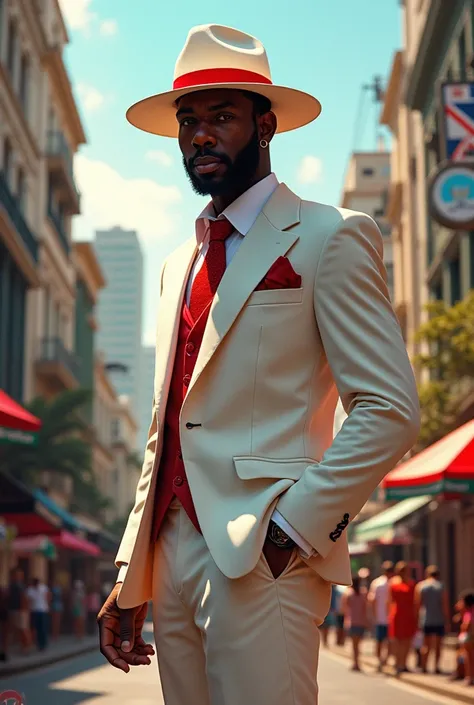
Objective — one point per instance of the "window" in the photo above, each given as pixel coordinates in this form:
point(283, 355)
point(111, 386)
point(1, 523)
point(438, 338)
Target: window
point(12, 41)
point(7, 159)
point(21, 190)
point(24, 82)
point(367, 171)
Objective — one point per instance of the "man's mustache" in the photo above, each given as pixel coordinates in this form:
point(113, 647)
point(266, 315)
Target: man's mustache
point(209, 153)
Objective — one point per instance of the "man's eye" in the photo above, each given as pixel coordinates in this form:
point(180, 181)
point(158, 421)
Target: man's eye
point(186, 122)
point(224, 117)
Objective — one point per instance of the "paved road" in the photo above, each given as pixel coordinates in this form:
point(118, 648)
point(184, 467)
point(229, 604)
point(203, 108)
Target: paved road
point(86, 680)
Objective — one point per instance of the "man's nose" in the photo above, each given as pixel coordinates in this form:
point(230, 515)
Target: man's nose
point(203, 138)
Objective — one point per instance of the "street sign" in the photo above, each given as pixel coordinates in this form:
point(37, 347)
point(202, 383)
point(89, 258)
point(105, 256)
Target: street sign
point(451, 195)
point(458, 121)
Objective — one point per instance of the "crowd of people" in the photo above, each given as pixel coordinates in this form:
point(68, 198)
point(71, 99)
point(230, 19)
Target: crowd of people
point(32, 614)
point(404, 617)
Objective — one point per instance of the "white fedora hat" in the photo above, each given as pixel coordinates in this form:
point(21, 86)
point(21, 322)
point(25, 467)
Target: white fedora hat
point(215, 56)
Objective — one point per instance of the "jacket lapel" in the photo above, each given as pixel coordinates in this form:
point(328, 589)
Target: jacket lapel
point(267, 240)
point(176, 274)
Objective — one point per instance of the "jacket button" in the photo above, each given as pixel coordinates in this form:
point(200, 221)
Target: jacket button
point(190, 348)
point(186, 380)
point(189, 425)
point(178, 481)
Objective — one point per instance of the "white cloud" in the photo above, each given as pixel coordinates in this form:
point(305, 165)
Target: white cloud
point(161, 158)
point(108, 28)
point(77, 13)
point(310, 170)
point(110, 199)
point(92, 99)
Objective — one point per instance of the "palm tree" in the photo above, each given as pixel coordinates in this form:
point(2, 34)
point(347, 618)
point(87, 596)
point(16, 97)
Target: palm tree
point(61, 447)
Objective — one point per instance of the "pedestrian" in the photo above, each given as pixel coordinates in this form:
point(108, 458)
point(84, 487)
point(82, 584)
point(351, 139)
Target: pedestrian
point(354, 605)
point(273, 309)
point(93, 607)
point(338, 591)
point(459, 672)
point(3, 623)
point(57, 609)
point(432, 606)
point(466, 635)
point(39, 597)
point(402, 615)
point(330, 620)
point(378, 602)
point(79, 609)
point(18, 610)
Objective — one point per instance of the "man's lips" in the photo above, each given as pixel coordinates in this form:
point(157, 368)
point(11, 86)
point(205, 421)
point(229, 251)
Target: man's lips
point(206, 165)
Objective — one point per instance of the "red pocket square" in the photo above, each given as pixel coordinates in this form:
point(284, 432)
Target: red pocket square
point(281, 275)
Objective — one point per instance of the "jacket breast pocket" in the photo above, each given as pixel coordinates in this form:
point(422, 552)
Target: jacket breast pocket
point(269, 297)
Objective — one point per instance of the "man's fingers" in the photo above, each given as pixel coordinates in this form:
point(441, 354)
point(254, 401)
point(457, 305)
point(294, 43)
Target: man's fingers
point(143, 648)
point(127, 630)
point(114, 658)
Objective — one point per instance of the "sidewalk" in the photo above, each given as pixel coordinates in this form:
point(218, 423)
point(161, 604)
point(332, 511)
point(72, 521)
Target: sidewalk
point(66, 647)
point(434, 684)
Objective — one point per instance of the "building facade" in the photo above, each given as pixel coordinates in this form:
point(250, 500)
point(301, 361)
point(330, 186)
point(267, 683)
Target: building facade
point(120, 309)
point(146, 394)
point(40, 131)
point(366, 189)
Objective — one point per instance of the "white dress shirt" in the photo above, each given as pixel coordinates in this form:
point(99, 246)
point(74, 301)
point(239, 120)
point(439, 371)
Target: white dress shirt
point(242, 214)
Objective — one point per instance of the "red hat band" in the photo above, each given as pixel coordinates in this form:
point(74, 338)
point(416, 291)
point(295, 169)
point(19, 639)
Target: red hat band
point(205, 77)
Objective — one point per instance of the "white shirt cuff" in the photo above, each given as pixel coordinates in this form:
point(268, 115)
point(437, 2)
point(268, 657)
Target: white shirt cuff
point(122, 573)
point(306, 549)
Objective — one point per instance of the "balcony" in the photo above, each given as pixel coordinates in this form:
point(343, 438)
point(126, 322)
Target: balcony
point(60, 164)
point(60, 229)
point(58, 367)
point(24, 245)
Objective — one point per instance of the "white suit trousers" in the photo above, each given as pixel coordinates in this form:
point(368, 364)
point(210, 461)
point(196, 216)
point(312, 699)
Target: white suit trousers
point(250, 641)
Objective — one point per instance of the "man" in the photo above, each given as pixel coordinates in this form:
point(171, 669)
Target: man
point(18, 609)
point(273, 309)
point(378, 601)
point(432, 606)
point(39, 598)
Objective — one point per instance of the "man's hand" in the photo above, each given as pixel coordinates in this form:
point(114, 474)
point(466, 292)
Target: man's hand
point(120, 634)
point(277, 558)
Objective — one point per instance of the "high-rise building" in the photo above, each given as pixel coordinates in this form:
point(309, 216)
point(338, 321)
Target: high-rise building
point(146, 394)
point(120, 309)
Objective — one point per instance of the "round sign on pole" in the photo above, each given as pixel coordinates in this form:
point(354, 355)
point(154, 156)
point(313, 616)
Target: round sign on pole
point(451, 195)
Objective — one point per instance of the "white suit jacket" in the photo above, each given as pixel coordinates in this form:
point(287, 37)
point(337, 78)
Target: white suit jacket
point(256, 425)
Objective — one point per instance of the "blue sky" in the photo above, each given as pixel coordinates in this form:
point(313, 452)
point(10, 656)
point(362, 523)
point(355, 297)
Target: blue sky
point(124, 50)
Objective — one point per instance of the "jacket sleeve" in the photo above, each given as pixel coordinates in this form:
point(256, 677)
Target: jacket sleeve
point(367, 357)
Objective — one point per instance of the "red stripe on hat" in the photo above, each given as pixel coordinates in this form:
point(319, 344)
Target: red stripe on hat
point(206, 76)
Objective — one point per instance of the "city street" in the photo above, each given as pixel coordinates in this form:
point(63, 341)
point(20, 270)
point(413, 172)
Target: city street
point(87, 680)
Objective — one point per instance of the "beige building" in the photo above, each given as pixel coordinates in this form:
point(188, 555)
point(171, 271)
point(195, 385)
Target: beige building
point(40, 131)
point(366, 189)
point(431, 262)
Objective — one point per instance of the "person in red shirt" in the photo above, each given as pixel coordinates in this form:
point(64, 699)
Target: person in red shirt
point(402, 615)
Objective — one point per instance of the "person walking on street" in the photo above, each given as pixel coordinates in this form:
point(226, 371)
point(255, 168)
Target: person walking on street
point(39, 598)
point(273, 309)
point(402, 625)
point(18, 610)
point(354, 605)
point(79, 609)
point(466, 635)
point(378, 602)
point(432, 607)
point(57, 609)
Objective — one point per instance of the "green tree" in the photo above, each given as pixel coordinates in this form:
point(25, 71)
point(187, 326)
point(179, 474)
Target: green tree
point(448, 335)
point(61, 446)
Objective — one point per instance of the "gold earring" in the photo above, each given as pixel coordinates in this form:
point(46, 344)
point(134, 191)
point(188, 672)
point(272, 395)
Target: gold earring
point(263, 144)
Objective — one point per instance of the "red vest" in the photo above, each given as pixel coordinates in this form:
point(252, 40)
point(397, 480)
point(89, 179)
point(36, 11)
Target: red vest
point(171, 481)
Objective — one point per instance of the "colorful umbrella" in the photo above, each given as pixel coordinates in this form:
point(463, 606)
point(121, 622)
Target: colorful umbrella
point(17, 425)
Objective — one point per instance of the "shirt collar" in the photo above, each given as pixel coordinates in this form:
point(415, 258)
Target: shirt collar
point(243, 212)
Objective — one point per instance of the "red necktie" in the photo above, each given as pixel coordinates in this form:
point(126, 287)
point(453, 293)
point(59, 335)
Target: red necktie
point(209, 276)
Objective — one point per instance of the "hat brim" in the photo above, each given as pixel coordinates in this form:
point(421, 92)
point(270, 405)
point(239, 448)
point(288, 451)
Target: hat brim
point(157, 114)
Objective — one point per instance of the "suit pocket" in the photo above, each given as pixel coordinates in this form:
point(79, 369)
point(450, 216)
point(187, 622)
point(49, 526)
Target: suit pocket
point(250, 467)
point(269, 297)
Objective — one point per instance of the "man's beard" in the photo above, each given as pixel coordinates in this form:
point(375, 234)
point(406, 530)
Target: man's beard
point(239, 172)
